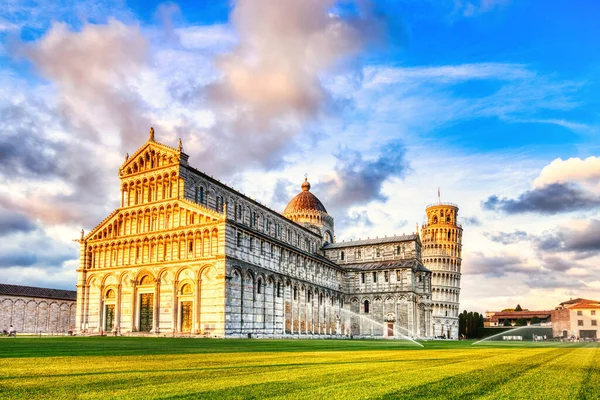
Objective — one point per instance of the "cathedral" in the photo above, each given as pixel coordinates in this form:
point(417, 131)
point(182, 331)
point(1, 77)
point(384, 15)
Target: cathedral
point(185, 254)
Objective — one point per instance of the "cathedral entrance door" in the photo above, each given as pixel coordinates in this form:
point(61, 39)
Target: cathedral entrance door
point(146, 311)
point(186, 316)
point(109, 317)
point(390, 329)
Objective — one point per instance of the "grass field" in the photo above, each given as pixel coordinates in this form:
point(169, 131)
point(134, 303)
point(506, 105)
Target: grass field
point(138, 368)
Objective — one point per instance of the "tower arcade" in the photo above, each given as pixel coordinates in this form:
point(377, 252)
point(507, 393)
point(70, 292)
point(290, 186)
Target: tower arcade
point(442, 243)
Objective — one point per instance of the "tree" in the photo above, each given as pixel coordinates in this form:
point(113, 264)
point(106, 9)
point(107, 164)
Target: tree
point(535, 321)
point(506, 322)
point(521, 322)
point(518, 308)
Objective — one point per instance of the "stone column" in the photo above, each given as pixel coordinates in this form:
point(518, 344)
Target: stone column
point(100, 310)
point(156, 311)
point(133, 306)
point(175, 304)
point(117, 326)
point(197, 306)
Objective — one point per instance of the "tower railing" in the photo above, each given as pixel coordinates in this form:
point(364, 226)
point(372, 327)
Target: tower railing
point(443, 203)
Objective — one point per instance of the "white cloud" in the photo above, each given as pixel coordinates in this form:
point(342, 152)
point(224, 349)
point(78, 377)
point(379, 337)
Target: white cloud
point(570, 170)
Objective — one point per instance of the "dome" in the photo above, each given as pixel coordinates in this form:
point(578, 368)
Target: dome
point(304, 201)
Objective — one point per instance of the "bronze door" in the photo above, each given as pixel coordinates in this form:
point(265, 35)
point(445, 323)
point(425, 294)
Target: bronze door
point(146, 311)
point(109, 319)
point(390, 329)
point(186, 316)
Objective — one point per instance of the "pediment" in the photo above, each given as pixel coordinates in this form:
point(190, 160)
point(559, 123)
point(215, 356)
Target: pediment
point(152, 155)
point(109, 227)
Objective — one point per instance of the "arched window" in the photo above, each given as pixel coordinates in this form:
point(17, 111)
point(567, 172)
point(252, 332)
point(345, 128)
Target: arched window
point(366, 306)
point(201, 196)
point(259, 286)
point(146, 280)
point(186, 289)
point(110, 294)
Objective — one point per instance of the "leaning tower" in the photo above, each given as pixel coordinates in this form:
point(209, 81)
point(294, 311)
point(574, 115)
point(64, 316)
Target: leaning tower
point(441, 237)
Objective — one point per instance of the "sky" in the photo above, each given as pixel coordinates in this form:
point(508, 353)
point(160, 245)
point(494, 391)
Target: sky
point(380, 102)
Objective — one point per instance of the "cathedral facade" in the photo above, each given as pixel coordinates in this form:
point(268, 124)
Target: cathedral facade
point(185, 254)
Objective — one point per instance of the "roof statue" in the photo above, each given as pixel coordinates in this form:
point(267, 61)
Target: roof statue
point(151, 134)
point(180, 146)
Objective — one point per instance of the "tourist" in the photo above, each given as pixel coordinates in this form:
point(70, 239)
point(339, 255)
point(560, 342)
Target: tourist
point(12, 331)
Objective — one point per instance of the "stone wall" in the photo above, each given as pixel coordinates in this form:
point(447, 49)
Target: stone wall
point(36, 315)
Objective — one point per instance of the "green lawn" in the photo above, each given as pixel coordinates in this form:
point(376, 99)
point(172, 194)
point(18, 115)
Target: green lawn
point(107, 367)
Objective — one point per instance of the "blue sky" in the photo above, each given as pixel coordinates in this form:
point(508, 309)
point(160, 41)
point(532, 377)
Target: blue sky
point(494, 101)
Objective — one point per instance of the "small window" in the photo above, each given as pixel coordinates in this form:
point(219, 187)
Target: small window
point(580, 322)
point(374, 277)
point(358, 254)
point(397, 250)
point(386, 276)
point(259, 286)
point(239, 239)
point(342, 255)
point(262, 248)
point(594, 322)
point(362, 277)
point(593, 312)
point(278, 289)
point(366, 306)
point(295, 293)
point(579, 313)
point(398, 275)
point(378, 252)
point(251, 244)
point(191, 248)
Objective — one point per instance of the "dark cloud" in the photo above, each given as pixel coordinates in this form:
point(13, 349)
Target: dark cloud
point(283, 192)
point(355, 219)
point(359, 181)
point(480, 264)
point(470, 221)
point(552, 281)
point(507, 238)
point(551, 199)
point(558, 264)
point(583, 243)
point(30, 152)
point(36, 249)
point(11, 222)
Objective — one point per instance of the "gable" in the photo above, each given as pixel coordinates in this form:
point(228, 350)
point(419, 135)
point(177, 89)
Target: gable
point(142, 220)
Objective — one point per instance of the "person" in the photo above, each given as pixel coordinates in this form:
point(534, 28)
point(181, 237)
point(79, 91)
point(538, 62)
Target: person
point(12, 331)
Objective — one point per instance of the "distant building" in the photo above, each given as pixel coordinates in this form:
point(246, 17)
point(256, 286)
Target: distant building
point(500, 318)
point(576, 318)
point(36, 310)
